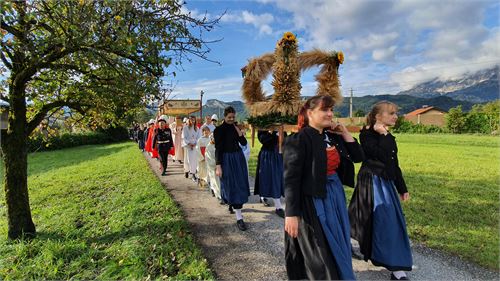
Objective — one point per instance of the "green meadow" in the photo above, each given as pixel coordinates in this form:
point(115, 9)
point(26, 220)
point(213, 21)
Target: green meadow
point(453, 182)
point(100, 214)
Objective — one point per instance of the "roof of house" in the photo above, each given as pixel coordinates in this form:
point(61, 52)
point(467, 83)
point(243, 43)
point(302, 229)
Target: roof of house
point(423, 110)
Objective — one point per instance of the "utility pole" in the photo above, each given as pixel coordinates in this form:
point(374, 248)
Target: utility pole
point(201, 105)
point(350, 105)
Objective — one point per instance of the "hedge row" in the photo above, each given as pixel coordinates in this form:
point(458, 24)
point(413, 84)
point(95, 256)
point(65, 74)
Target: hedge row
point(405, 126)
point(40, 143)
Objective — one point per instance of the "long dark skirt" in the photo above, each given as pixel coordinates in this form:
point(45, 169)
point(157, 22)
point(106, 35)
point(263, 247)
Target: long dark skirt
point(309, 256)
point(332, 214)
point(322, 250)
point(235, 188)
point(141, 143)
point(378, 224)
point(270, 174)
point(390, 244)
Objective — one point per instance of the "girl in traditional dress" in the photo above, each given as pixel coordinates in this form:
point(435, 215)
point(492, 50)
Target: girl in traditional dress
point(231, 164)
point(201, 147)
point(269, 172)
point(377, 220)
point(190, 136)
point(318, 161)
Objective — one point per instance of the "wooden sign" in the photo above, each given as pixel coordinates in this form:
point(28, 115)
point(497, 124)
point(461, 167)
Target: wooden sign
point(180, 107)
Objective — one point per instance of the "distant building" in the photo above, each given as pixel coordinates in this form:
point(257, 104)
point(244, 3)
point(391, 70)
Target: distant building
point(427, 115)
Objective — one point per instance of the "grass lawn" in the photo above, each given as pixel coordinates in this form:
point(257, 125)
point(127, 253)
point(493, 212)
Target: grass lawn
point(100, 214)
point(453, 182)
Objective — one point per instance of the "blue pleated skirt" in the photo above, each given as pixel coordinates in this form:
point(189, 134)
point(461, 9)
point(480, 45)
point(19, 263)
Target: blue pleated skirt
point(270, 174)
point(235, 188)
point(332, 214)
point(390, 243)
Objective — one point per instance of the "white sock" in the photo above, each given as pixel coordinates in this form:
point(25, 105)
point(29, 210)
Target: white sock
point(239, 216)
point(399, 274)
point(277, 203)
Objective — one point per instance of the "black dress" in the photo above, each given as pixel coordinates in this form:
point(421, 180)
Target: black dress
point(309, 256)
point(381, 162)
point(269, 171)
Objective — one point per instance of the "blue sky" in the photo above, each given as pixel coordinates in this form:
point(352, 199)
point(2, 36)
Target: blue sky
point(389, 46)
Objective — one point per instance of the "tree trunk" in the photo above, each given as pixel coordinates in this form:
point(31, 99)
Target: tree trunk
point(15, 157)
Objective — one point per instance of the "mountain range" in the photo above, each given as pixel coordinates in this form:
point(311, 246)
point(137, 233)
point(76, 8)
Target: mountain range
point(482, 86)
point(479, 87)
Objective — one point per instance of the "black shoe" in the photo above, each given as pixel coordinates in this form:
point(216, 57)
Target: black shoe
point(213, 193)
point(402, 278)
point(264, 201)
point(241, 225)
point(186, 175)
point(231, 211)
point(280, 213)
point(164, 173)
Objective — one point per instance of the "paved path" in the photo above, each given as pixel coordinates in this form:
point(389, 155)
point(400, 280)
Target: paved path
point(258, 254)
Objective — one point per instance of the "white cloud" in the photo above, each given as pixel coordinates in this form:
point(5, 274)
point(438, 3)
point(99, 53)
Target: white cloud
point(261, 22)
point(226, 89)
point(432, 38)
point(386, 54)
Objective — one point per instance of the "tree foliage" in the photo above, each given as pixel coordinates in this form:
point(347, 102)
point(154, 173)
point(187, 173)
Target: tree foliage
point(482, 118)
point(359, 113)
point(100, 58)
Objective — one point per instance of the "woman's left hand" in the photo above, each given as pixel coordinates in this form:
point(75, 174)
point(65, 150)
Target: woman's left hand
point(405, 196)
point(238, 130)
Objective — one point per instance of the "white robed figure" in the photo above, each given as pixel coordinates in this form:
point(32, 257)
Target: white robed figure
point(201, 147)
point(211, 164)
point(190, 136)
point(176, 128)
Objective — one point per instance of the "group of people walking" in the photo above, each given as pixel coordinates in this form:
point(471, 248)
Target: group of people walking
point(215, 157)
point(316, 163)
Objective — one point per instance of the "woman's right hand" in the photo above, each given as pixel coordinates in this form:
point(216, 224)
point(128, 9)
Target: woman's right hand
point(292, 226)
point(380, 128)
point(218, 171)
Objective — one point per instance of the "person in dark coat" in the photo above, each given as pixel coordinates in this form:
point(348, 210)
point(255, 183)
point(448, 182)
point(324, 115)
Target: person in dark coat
point(318, 161)
point(376, 216)
point(269, 172)
point(231, 165)
point(162, 140)
point(140, 137)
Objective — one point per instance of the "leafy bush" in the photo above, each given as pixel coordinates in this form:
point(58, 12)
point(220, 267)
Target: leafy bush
point(40, 143)
point(405, 126)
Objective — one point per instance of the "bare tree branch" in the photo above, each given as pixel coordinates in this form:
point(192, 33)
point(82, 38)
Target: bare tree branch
point(5, 61)
point(35, 121)
point(11, 29)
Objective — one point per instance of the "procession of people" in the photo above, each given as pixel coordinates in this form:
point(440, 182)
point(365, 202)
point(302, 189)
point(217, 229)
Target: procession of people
point(309, 174)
